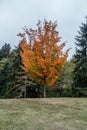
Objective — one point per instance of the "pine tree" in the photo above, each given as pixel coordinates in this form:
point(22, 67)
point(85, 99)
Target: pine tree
point(5, 51)
point(80, 72)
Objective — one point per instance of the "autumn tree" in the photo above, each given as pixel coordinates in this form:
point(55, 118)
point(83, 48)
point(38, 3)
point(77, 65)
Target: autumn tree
point(42, 54)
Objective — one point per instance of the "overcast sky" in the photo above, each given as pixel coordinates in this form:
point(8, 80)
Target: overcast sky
point(15, 14)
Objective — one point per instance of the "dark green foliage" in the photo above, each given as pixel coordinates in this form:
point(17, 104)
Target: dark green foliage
point(3, 63)
point(6, 76)
point(5, 67)
point(80, 59)
point(64, 84)
point(5, 51)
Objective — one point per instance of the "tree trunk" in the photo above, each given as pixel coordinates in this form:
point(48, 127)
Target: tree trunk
point(25, 88)
point(44, 91)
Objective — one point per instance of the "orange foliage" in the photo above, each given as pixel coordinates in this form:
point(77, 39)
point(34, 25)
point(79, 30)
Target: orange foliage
point(42, 55)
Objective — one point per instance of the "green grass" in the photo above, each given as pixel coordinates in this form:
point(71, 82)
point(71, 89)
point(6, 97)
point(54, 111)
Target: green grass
point(43, 114)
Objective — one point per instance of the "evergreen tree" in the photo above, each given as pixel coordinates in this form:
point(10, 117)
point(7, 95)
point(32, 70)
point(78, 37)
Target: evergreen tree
point(5, 67)
point(80, 71)
point(5, 51)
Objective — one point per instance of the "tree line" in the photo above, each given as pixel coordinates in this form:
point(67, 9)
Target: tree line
point(40, 61)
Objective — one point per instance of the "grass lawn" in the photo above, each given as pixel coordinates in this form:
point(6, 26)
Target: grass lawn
point(43, 114)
